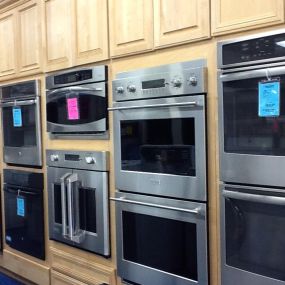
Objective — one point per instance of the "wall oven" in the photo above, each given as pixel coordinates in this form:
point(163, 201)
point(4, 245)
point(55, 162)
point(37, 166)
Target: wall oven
point(76, 103)
point(253, 228)
point(252, 110)
point(160, 174)
point(78, 199)
point(20, 104)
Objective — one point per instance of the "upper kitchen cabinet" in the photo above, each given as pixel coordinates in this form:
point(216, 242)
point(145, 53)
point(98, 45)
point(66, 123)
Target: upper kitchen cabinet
point(76, 32)
point(180, 21)
point(20, 40)
point(131, 26)
point(231, 16)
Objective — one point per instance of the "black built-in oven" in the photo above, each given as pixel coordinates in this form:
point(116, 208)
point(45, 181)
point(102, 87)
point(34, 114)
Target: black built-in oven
point(21, 124)
point(24, 212)
point(160, 174)
point(76, 103)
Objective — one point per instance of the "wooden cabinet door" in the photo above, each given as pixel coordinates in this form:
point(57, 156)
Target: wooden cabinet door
point(178, 21)
point(61, 279)
point(91, 31)
point(131, 26)
point(8, 57)
point(29, 38)
point(237, 15)
point(58, 34)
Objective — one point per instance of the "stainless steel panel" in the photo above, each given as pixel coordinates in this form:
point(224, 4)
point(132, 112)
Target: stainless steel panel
point(187, 187)
point(56, 158)
point(232, 275)
point(98, 74)
point(145, 275)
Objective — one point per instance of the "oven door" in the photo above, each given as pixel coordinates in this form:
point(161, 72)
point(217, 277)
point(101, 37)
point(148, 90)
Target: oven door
point(252, 143)
point(160, 147)
point(252, 235)
point(78, 203)
point(78, 109)
point(161, 241)
point(21, 132)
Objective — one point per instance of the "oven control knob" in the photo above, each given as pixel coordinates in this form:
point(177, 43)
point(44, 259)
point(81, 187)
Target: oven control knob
point(90, 160)
point(177, 82)
point(120, 90)
point(132, 88)
point(193, 80)
point(54, 157)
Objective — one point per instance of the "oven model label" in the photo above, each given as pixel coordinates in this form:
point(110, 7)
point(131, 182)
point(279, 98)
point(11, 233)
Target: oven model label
point(72, 109)
point(21, 206)
point(269, 98)
point(17, 117)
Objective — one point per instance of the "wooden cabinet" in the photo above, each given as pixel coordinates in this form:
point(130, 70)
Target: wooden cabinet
point(8, 56)
point(230, 15)
point(142, 25)
point(76, 32)
point(57, 278)
point(131, 26)
point(178, 21)
point(20, 41)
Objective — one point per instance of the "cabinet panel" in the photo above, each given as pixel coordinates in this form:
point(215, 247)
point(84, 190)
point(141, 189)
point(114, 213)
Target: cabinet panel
point(91, 31)
point(61, 279)
point(180, 21)
point(30, 45)
point(131, 26)
point(58, 34)
point(8, 60)
point(231, 15)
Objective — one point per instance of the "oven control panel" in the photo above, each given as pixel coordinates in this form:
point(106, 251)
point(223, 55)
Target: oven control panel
point(165, 84)
point(90, 160)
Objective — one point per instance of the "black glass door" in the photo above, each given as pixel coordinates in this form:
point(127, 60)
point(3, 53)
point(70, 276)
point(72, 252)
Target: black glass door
point(159, 146)
point(161, 243)
point(255, 237)
point(24, 220)
point(245, 129)
point(19, 126)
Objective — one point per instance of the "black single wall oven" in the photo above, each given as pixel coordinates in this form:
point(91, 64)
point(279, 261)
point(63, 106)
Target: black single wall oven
point(76, 103)
point(160, 174)
point(21, 124)
point(24, 212)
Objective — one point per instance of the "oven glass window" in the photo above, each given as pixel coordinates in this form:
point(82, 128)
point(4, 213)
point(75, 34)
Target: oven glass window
point(255, 237)
point(159, 146)
point(73, 108)
point(244, 130)
point(164, 244)
point(20, 136)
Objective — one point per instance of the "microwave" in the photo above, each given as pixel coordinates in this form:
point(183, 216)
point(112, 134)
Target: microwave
point(76, 103)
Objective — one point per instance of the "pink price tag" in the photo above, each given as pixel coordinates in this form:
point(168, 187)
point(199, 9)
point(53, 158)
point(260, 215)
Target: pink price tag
point(72, 109)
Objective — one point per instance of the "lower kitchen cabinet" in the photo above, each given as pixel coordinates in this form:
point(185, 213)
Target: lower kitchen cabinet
point(61, 279)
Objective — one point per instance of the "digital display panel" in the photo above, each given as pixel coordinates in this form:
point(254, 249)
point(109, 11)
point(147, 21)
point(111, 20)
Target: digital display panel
point(72, 157)
point(150, 84)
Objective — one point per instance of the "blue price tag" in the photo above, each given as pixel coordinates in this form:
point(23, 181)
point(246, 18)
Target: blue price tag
point(20, 206)
point(17, 117)
point(269, 99)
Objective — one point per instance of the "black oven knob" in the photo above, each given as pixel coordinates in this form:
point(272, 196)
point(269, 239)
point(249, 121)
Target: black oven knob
point(90, 160)
point(177, 82)
point(120, 90)
point(132, 88)
point(54, 157)
point(193, 80)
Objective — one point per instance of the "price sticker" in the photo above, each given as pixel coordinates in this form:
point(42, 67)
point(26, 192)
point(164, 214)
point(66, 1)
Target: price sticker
point(17, 117)
point(72, 109)
point(20, 206)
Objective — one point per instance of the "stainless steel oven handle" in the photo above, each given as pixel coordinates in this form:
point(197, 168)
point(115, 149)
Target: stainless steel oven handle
point(74, 88)
point(254, 197)
point(19, 103)
point(63, 203)
point(196, 211)
point(168, 105)
point(70, 198)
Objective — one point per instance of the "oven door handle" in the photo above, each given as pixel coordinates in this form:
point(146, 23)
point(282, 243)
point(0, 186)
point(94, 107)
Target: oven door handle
point(19, 103)
point(63, 203)
point(168, 105)
point(74, 88)
point(196, 211)
point(254, 197)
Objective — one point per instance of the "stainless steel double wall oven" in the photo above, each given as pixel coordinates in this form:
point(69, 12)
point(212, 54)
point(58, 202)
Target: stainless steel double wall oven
point(21, 124)
point(252, 159)
point(160, 174)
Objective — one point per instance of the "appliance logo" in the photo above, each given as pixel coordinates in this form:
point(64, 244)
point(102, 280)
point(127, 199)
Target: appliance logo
point(155, 181)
